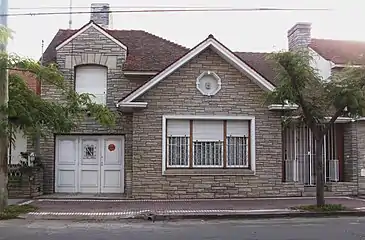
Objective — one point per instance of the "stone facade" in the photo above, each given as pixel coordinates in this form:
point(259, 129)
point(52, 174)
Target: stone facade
point(25, 183)
point(239, 96)
point(92, 47)
point(360, 156)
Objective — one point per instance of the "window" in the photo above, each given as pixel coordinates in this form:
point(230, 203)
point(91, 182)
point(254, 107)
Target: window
point(92, 79)
point(207, 143)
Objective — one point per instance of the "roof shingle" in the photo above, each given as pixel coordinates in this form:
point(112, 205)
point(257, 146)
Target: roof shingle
point(147, 52)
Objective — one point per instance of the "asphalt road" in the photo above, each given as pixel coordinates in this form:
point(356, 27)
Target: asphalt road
point(290, 229)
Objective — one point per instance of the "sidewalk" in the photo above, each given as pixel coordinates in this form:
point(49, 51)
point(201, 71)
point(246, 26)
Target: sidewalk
point(170, 209)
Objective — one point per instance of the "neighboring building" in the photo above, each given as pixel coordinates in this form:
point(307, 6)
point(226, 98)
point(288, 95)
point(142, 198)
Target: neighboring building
point(192, 123)
point(21, 142)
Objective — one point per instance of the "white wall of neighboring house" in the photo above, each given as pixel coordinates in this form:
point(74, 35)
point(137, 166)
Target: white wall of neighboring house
point(20, 145)
point(324, 66)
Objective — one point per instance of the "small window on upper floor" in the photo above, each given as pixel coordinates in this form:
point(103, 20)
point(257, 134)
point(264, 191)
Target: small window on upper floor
point(92, 79)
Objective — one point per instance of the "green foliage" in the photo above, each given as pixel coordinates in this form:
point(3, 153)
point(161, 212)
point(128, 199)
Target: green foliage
point(13, 211)
point(298, 82)
point(324, 208)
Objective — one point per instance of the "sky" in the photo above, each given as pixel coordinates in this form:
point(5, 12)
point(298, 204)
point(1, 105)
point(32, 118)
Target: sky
point(239, 31)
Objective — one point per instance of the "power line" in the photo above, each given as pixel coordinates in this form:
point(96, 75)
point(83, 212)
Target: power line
point(169, 10)
point(114, 7)
point(125, 7)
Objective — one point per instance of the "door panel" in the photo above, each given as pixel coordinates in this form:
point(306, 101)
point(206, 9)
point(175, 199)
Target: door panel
point(112, 174)
point(89, 165)
point(66, 164)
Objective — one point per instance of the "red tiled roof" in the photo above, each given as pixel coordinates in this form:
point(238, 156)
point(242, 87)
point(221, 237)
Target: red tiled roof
point(340, 51)
point(259, 62)
point(146, 52)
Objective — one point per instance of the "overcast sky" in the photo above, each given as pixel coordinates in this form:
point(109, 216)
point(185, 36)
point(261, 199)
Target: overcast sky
point(240, 31)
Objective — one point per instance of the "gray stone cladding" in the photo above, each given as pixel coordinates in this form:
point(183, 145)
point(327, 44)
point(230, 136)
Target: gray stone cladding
point(239, 96)
point(92, 47)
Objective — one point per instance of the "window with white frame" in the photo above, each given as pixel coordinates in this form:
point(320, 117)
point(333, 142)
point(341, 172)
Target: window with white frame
point(207, 143)
point(92, 79)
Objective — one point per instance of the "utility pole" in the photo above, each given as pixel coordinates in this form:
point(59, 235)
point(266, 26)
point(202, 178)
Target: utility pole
point(4, 139)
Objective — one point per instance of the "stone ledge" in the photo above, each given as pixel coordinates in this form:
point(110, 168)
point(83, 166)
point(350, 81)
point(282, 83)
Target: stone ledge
point(209, 172)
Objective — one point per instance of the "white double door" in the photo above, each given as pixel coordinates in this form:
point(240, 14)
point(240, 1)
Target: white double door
point(89, 164)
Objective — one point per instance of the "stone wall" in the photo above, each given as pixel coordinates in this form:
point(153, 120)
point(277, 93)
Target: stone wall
point(360, 156)
point(92, 47)
point(239, 96)
point(25, 183)
point(350, 152)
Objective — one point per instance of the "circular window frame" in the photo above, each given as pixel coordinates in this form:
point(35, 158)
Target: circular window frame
point(215, 76)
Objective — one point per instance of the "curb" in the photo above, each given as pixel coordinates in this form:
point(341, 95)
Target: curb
point(199, 216)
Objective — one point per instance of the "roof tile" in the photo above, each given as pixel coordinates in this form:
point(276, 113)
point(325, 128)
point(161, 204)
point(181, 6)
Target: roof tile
point(340, 51)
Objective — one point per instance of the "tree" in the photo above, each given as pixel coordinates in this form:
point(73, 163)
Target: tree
point(321, 101)
point(28, 112)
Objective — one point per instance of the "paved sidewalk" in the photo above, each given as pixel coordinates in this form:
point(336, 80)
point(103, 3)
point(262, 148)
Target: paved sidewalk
point(109, 208)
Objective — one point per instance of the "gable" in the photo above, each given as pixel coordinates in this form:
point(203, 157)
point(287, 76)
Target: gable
point(86, 28)
point(218, 48)
point(182, 88)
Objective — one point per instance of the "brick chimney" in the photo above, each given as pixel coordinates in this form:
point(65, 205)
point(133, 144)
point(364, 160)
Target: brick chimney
point(100, 14)
point(299, 36)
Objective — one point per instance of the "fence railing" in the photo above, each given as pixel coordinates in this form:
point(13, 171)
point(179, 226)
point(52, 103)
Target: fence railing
point(302, 170)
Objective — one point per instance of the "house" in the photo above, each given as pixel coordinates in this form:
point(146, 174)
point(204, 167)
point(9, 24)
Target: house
point(191, 123)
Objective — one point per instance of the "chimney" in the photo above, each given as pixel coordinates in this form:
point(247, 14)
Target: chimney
point(299, 36)
point(100, 14)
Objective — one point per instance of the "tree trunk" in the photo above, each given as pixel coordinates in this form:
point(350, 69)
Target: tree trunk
point(319, 171)
point(3, 173)
point(4, 138)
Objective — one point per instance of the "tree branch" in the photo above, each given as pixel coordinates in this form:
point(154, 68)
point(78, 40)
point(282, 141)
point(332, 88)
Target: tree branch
point(302, 102)
point(337, 114)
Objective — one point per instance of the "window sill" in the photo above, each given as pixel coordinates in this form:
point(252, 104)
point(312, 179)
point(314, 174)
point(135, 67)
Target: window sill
point(209, 172)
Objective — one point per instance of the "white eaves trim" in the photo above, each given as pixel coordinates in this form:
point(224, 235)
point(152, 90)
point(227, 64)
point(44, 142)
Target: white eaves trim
point(283, 107)
point(220, 50)
point(339, 119)
point(86, 27)
point(140, 73)
point(133, 104)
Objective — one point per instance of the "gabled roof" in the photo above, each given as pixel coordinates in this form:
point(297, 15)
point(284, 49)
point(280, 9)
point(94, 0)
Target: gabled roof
point(340, 51)
point(151, 54)
point(146, 52)
point(91, 24)
point(216, 46)
point(260, 62)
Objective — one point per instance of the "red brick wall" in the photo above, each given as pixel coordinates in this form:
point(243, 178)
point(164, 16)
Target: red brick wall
point(32, 81)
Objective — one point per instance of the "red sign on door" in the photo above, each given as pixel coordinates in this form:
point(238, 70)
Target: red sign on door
point(111, 147)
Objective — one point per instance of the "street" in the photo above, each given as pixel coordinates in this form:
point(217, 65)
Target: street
point(274, 229)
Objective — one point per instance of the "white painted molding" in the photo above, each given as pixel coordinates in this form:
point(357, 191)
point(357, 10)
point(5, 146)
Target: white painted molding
point(215, 76)
point(211, 117)
point(283, 107)
point(140, 73)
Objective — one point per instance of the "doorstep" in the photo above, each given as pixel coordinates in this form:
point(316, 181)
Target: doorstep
point(83, 196)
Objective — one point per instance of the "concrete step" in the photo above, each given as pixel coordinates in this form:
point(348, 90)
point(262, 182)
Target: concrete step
point(313, 194)
point(313, 188)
